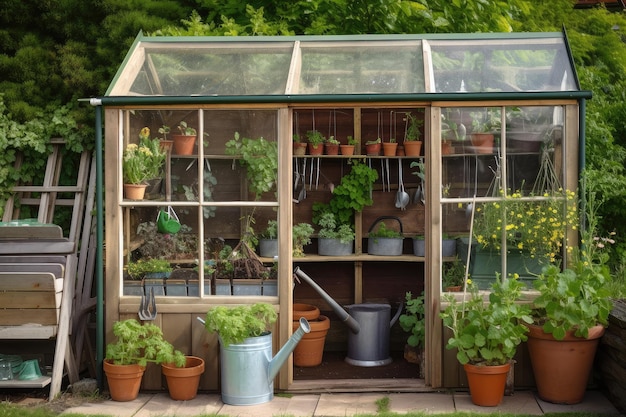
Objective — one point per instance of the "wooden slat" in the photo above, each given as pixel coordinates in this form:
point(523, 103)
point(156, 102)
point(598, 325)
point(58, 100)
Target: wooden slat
point(39, 246)
point(18, 317)
point(28, 331)
point(30, 281)
point(29, 300)
point(58, 270)
point(48, 231)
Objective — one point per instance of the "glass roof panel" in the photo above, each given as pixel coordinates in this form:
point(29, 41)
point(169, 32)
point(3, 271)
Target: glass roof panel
point(534, 64)
point(364, 67)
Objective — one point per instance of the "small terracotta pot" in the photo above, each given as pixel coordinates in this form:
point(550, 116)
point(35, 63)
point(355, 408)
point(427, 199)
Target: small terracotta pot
point(482, 142)
point(413, 148)
point(135, 191)
point(182, 383)
point(124, 380)
point(373, 149)
point(310, 349)
point(347, 150)
point(389, 149)
point(486, 383)
point(299, 148)
point(308, 311)
point(316, 149)
point(331, 149)
point(184, 144)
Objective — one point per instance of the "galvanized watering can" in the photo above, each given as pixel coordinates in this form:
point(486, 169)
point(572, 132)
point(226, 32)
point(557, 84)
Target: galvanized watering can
point(369, 324)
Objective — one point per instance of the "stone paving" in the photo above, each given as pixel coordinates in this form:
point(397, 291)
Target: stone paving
point(339, 405)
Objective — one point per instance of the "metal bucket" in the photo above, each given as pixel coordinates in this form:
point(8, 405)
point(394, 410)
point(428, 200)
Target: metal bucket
point(245, 372)
point(370, 346)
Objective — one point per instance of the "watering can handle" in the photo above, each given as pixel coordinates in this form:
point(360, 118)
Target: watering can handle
point(397, 315)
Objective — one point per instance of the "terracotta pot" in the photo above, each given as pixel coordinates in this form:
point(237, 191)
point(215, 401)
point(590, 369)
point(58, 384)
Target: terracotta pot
point(454, 288)
point(400, 150)
point(316, 149)
point(347, 150)
point(413, 147)
point(373, 149)
point(308, 311)
point(331, 149)
point(124, 380)
point(182, 383)
point(446, 147)
point(486, 383)
point(389, 149)
point(482, 142)
point(310, 349)
point(166, 145)
point(562, 367)
point(183, 144)
point(299, 148)
point(135, 191)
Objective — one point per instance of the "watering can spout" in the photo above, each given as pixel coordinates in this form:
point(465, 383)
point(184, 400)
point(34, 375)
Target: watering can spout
point(277, 362)
point(343, 315)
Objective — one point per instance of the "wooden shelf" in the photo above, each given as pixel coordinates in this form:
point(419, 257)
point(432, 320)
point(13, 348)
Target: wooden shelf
point(33, 383)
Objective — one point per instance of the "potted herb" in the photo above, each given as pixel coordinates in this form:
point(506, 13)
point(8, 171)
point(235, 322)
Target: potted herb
point(331, 147)
point(334, 238)
point(453, 275)
point(383, 240)
point(348, 149)
point(316, 142)
point(185, 140)
point(260, 158)
point(126, 359)
point(149, 268)
point(413, 321)
point(299, 147)
point(140, 163)
point(389, 148)
point(301, 235)
point(485, 125)
point(372, 147)
point(486, 333)
point(268, 240)
point(166, 144)
point(570, 315)
point(413, 133)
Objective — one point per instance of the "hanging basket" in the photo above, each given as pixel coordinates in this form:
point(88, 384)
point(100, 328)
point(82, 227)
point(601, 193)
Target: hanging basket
point(167, 221)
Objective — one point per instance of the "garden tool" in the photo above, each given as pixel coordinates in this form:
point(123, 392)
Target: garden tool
point(147, 307)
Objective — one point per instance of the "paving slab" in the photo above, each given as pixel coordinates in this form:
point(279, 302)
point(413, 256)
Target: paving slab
point(427, 403)
point(111, 408)
point(593, 402)
point(337, 404)
point(521, 402)
point(297, 405)
point(162, 405)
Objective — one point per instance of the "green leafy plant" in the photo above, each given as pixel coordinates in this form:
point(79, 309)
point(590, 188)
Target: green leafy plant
point(578, 297)
point(373, 141)
point(453, 273)
point(140, 344)
point(260, 158)
point(296, 138)
point(143, 161)
point(413, 320)
point(414, 127)
point(301, 235)
point(236, 324)
point(156, 245)
point(330, 229)
point(350, 196)
point(351, 140)
point(186, 130)
point(164, 130)
point(383, 231)
point(315, 137)
point(487, 332)
point(271, 231)
point(331, 140)
point(486, 121)
point(140, 268)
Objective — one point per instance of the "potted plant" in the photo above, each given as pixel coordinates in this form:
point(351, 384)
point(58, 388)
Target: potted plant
point(126, 359)
point(419, 245)
point(141, 162)
point(246, 363)
point(260, 158)
point(486, 334)
point(166, 144)
point(333, 238)
point(149, 268)
point(348, 149)
point(268, 240)
point(184, 141)
point(331, 146)
point(299, 147)
point(389, 148)
point(484, 126)
point(413, 321)
point(316, 142)
point(372, 147)
point(453, 275)
point(384, 240)
point(570, 315)
point(413, 134)
point(301, 235)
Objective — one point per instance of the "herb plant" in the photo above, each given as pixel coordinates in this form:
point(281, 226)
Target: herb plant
point(301, 236)
point(315, 137)
point(260, 158)
point(140, 268)
point(330, 229)
point(234, 325)
point(186, 130)
point(413, 320)
point(487, 332)
point(385, 232)
point(140, 344)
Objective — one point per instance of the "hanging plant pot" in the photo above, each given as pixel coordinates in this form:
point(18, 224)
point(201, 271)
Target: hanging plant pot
point(562, 367)
point(124, 380)
point(486, 383)
point(184, 144)
point(182, 383)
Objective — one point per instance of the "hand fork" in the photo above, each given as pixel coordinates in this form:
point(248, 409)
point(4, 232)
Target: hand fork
point(147, 306)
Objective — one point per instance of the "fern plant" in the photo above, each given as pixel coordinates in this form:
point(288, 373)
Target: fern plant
point(234, 325)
